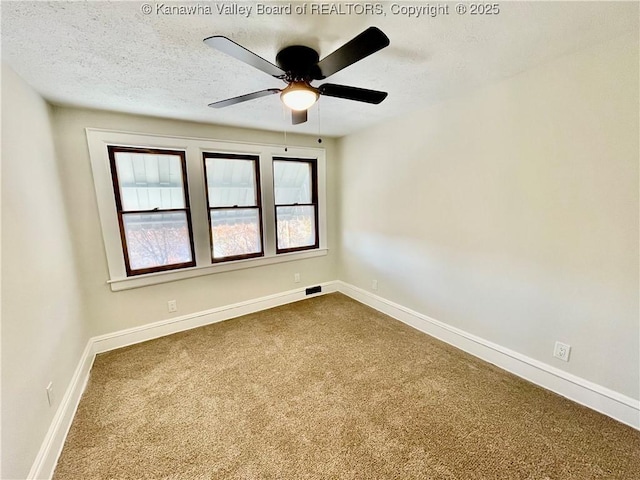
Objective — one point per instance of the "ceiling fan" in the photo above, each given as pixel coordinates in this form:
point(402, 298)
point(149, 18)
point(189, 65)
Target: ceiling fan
point(298, 66)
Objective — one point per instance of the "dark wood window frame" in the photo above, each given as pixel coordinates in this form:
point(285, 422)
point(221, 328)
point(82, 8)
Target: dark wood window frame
point(257, 206)
point(112, 149)
point(313, 162)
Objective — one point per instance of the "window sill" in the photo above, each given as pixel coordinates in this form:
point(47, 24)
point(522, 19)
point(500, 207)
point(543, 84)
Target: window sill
point(174, 275)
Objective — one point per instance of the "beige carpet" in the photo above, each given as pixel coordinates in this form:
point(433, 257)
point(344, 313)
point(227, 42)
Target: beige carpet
point(328, 388)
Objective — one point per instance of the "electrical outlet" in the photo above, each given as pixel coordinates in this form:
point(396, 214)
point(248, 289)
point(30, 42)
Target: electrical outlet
point(296, 278)
point(374, 284)
point(172, 305)
point(562, 351)
point(49, 390)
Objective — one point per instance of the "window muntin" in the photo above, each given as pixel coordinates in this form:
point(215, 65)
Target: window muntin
point(234, 206)
point(150, 188)
point(296, 204)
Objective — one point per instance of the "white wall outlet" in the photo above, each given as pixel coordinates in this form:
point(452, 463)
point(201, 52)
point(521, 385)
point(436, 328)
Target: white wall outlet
point(50, 398)
point(296, 278)
point(562, 351)
point(374, 284)
point(172, 306)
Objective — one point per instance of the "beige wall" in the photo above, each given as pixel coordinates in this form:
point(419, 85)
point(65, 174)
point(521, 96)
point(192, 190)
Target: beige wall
point(43, 319)
point(511, 212)
point(112, 311)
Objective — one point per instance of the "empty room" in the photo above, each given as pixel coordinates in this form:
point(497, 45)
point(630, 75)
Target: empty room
point(320, 240)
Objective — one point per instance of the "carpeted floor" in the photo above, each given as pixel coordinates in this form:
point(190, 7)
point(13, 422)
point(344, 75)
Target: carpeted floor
point(327, 388)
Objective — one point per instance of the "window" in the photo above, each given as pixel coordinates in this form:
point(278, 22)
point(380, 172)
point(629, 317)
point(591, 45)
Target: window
point(233, 201)
point(173, 208)
point(153, 209)
point(296, 204)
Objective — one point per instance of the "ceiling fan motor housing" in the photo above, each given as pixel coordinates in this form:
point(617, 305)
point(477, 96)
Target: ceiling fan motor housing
point(299, 62)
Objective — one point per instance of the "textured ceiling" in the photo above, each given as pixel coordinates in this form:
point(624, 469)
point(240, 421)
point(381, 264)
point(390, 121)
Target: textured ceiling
point(110, 55)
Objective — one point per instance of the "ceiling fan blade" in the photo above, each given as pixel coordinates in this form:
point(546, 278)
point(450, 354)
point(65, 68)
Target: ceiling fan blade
point(244, 98)
point(352, 93)
point(237, 51)
point(363, 45)
point(298, 116)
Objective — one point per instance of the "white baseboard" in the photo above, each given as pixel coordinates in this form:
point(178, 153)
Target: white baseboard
point(51, 447)
point(596, 397)
point(613, 404)
point(47, 458)
point(123, 338)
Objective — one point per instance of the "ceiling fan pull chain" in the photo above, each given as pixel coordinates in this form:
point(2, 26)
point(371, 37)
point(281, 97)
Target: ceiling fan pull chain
point(284, 122)
point(319, 137)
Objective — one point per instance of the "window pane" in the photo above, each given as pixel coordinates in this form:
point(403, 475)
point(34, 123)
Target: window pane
point(235, 232)
point(292, 182)
point(149, 181)
point(157, 239)
point(231, 182)
point(296, 226)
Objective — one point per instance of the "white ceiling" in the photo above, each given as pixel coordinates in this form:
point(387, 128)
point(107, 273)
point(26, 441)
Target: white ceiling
point(109, 55)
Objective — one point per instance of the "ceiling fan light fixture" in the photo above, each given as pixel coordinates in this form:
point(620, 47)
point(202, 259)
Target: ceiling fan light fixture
point(299, 96)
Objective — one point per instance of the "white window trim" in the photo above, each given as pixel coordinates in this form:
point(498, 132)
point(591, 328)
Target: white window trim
point(99, 139)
